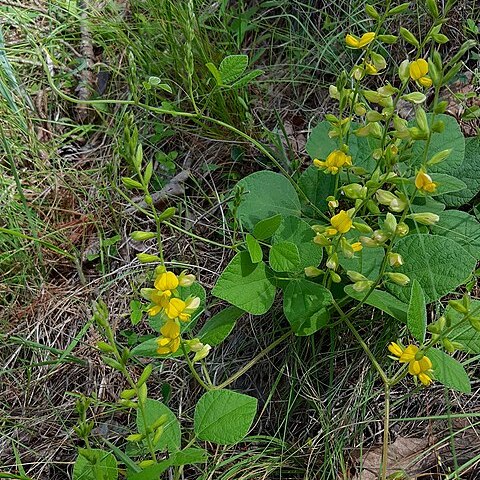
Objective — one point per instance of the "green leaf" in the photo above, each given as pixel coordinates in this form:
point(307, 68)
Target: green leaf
point(317, 186)
point(246, 285)
point(449, 371)
point(447, 184)
point(462, 331)
point(367, 262)
point(363, 154)
point(219, 326)
point(136, 311)
point(284, 257)
point(95, 464)
point(382, 300)
point(268, 194)
point(171, 437)
point(147, 349)
point(305, 305)
point(223, 416)
point(266, 228)
point(451, 138)
point(187, 456)
point(426, 204)
point(468, 172)
point(232, 68)
point(439, 264)
point(461, 227)
point(299, 232)
point(417, 312)
point(254, 248)
point(246, 79)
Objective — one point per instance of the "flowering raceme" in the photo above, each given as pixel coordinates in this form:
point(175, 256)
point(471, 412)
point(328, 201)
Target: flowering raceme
point(341, 223)
point(419, 365)
point(334, 162)
point(418, 72)
point(169, 342)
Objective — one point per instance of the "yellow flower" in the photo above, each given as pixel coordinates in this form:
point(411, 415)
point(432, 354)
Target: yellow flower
point(166, 281)
point(334, 162)
point(354, 42)
point(418, 72)
point(169, 342)
point(419, 365)
point(424, 182)
point(357, 246)
point(341, 223)
point(160, 301)
point(180, 309)
point(370, 69)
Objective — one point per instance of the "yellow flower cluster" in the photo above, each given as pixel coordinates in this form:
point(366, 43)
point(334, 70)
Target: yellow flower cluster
point(418, 72)
point(165, 301)
point(334, 162)
point(419, 365)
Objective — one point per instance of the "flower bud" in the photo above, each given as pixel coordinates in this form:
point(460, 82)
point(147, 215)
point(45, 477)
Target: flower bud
point(332, 262)
point(362, 227)
point(403, 71)
point(374, 116)
point(458, 306)
point(186, 280)
point(359, 109)
point(141, 236)
point(333, 92)
point(414, 97)
point(201, 354)
point(147, 258)
point(336, 278)
point(105, 347)
point(424, 218)
point(371, 11)
point(440, 156)
point(422, 121)
point(402, 229)
point(379, 236)
point(354, 191)
point(399, 204)
point(312, 272)
point(356, 276)
point(135, 437)
point(368, 242)
point(398, 278)
point(362, 285)
point(390, 224)
point(322, 240)
point(384, 197)
point(395, 259)
point(146, 463)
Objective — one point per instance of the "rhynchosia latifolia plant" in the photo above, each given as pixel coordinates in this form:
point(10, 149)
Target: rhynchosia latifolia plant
point(371, 222)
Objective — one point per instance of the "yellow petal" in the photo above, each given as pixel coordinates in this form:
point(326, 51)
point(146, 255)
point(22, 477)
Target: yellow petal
point(424, 378)
point(414, 368)
point(409, 354)
point(352, 41)
point(357, 246)
point(170, 329)
point(418, 69)
point(425, 364)
point(425, 82)
point(155, 310)
point(166, 281)
point(396, 349)
point(341, 222)
point(174, 308)
point(366, 39)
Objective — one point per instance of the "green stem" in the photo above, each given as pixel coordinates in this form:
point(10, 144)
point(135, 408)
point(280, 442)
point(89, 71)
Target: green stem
point(386, 426)
point(194, 372)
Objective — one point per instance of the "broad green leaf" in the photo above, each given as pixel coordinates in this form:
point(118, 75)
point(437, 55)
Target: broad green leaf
point(219, 326)
point(439, 264)
point(266, 228)
point(305, 305)
point(462, 331)
point(284, 257)
point(461, 227)
point(316, 186)
point(136, 311)
point(448, 371)
point(232, 67)
point(171, 437)
point(299, 232)
point(426, 204)
point(223, 416)
point(417, 312)
point(188, 456)
point(320, 145)
point(148, 349)
point(95, 464)
point(367, 262)
point(363, 153)
point(382, 300)
point(254, 249)
point(246, 79)
point(246, 285)
point(267, 194)
point(450, 138)
point(468, 172)
point(447, 184)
